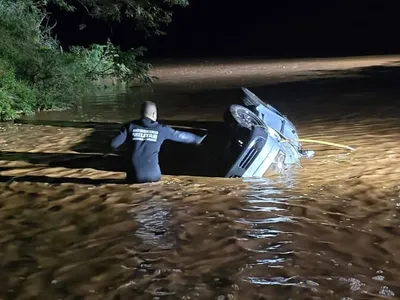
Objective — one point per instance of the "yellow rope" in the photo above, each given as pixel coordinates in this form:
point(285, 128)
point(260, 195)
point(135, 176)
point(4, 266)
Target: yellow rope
point(309, 140)
point(324, 143)
point(286, 140)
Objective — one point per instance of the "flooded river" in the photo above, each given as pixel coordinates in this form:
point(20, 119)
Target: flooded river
point(329, 229)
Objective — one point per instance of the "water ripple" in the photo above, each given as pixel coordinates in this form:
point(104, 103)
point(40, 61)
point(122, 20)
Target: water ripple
point(327, 230)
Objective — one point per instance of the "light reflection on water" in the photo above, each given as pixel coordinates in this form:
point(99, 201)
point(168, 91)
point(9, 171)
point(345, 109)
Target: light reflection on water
point(327, 230)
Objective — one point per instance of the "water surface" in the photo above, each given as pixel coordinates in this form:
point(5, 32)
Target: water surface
point(69, 229)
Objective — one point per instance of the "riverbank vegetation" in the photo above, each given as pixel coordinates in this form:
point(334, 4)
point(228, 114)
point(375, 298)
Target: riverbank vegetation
point(36, 73)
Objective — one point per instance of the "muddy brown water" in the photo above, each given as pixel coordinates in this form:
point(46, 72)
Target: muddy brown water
point(328, 229)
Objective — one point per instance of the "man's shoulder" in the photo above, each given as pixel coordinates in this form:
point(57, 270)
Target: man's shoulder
point(164, 127)
point(134, 123)
point(139, 124)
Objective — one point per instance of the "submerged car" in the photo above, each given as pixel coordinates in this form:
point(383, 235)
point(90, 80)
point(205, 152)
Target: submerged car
point(254, 140)
point(271, 117)
point(260, 139)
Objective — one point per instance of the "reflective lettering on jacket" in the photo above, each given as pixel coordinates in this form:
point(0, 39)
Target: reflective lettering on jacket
point(144, 135)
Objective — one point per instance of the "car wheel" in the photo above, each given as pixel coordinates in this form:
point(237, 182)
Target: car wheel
point(242, 117)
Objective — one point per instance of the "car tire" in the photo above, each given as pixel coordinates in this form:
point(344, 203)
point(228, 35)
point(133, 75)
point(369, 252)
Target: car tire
point(242, 117)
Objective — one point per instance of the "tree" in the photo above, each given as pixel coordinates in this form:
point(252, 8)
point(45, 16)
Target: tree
point(37, 73)
point(149, 15)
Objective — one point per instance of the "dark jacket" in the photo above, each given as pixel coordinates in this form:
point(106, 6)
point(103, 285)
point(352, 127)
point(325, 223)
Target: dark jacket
point(145, 138)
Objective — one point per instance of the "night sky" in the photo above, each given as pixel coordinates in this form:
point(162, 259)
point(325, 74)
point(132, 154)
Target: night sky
point(258, 28)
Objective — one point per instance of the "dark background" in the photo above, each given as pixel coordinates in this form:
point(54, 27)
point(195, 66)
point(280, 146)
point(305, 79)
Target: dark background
point(258, 28)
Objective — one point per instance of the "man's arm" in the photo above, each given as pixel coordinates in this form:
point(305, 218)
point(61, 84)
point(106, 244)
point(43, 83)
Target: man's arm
point(120, 138)
point(182, 136)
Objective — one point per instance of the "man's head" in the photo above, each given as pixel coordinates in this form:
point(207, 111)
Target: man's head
point(149, 110)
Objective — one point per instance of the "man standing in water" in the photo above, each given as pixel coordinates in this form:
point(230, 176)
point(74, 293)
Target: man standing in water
point(145, 137)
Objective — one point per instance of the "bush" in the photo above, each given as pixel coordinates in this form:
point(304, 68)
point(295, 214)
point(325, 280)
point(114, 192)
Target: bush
point(58, 78)
point(37, 74)
point(105, 61)
point(15, 96)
